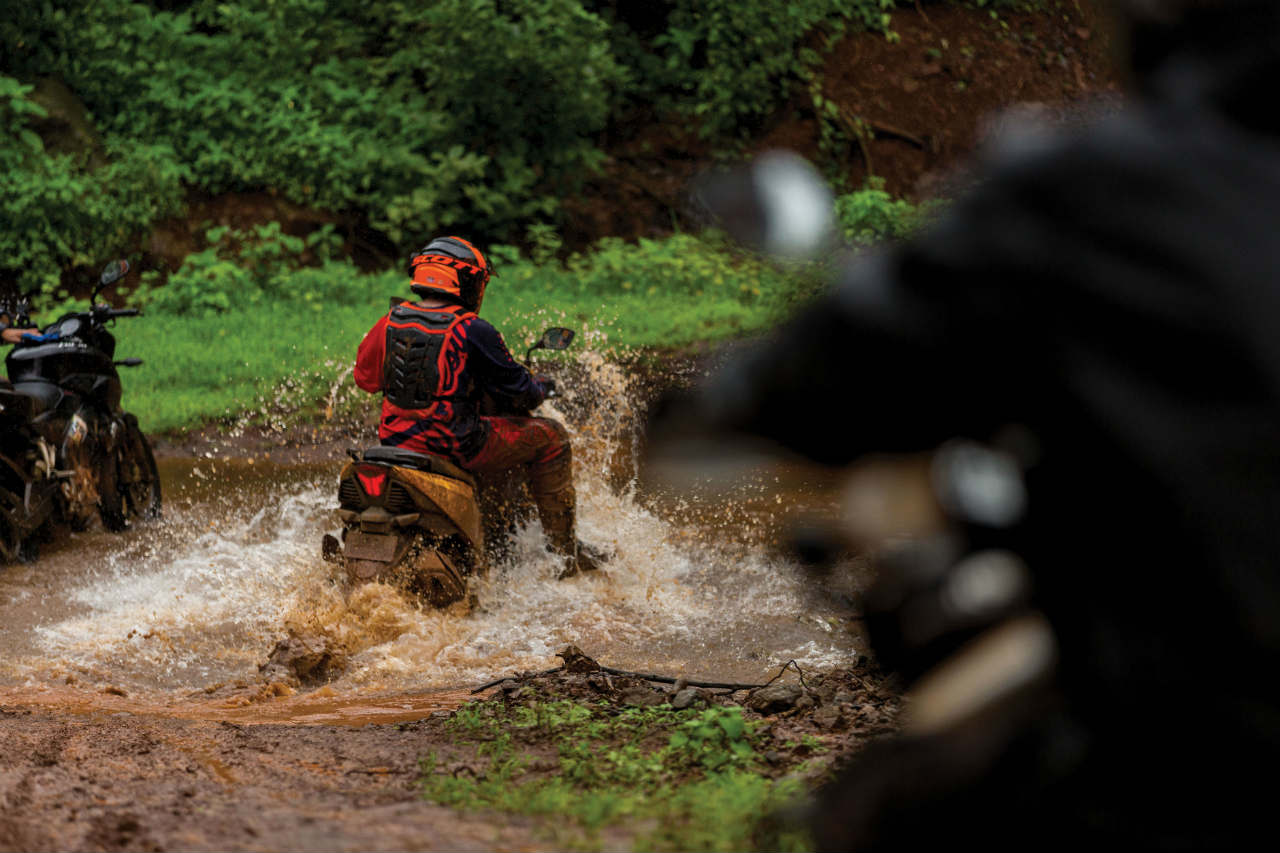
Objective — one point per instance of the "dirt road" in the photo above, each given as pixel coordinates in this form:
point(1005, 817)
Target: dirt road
point(120, 781)
point(89, 776)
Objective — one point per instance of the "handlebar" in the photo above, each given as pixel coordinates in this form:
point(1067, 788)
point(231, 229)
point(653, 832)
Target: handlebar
point(102, 311)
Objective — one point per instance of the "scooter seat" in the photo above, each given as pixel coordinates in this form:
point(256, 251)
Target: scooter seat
point(428, 462)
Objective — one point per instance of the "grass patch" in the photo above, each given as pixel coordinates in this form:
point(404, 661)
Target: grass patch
point(283, 359)
point(278, 346)
point(677, 780)
point(243, 331)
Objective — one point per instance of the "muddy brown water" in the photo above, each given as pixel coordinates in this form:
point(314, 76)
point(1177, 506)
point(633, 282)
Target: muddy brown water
point(163, 617)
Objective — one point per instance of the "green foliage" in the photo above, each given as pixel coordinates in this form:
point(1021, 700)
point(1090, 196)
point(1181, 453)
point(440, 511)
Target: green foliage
point(424, 117)
point(247, 268)
point(55, 211)
point(871, 214)
point(245, 330)
point(470, 115)
point(619, 766)
point(727, 63)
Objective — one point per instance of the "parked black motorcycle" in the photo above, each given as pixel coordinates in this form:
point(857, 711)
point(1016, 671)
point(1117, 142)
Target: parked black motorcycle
point(68, 451)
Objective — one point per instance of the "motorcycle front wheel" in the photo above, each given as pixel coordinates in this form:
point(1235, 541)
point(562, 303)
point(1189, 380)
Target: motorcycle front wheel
point(135, 493)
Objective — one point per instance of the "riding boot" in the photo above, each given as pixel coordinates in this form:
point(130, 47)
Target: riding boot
point(552, 490)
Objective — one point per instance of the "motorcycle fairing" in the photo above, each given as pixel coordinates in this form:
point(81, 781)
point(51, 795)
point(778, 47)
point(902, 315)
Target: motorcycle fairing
point(15, 407)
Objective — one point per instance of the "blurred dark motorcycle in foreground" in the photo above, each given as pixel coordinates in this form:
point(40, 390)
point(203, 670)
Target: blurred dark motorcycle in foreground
point(68, 451)
point(951, 611)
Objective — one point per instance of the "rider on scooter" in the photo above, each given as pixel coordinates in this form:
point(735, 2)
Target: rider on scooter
point(433, 359)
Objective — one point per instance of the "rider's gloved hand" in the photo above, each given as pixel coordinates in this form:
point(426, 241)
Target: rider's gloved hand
point(33, 338)
point(548, 385)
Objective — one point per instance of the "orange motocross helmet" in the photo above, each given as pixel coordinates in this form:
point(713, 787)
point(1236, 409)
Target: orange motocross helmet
point(450, 268)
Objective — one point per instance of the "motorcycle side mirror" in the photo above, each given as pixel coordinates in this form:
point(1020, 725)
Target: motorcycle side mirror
point(111, 273)
point(778, 204)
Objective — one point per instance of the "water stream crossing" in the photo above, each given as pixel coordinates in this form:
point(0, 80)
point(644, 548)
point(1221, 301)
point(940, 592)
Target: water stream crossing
point(162, 615)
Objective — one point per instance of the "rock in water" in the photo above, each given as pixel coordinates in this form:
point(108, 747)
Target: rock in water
point(304, 659)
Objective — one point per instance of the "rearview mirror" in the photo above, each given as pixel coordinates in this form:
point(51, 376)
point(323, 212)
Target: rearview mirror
point(557, 337)
point(113, 272)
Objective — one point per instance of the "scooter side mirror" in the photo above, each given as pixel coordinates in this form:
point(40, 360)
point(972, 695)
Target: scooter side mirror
point(557, 337)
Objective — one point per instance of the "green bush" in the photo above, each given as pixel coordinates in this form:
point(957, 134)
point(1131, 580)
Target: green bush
point(871, 214)
point(728, 63)
point(411, 118)
point(247, 268)
point(56, 212)
point(420, 117)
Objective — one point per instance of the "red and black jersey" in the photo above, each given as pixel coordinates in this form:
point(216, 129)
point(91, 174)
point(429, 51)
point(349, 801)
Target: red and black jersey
point(432, 365)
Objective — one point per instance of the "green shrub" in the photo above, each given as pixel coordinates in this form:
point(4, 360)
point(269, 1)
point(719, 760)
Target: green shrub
point(247, 268)
point(420, 117)
point(55, 211)
point(871, 214)
point(728, 63)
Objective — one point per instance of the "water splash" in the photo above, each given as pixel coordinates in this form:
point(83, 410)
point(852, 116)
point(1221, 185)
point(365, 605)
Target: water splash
point(203, 597)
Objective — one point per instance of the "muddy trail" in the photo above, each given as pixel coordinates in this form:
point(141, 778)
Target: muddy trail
point(136, 715)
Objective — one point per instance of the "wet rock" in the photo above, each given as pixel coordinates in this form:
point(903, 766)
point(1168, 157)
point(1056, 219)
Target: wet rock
point(829, 717)
point(645, 696)
point(774, 698)
point(304, 660)
point(515, 690)
point(575, 660)
point(687, 698)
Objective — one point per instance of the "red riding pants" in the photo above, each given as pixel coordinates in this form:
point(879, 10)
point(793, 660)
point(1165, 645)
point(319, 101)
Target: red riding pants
point(538, 447)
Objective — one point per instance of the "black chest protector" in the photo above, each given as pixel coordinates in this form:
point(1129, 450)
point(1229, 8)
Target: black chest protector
point(421, 366)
